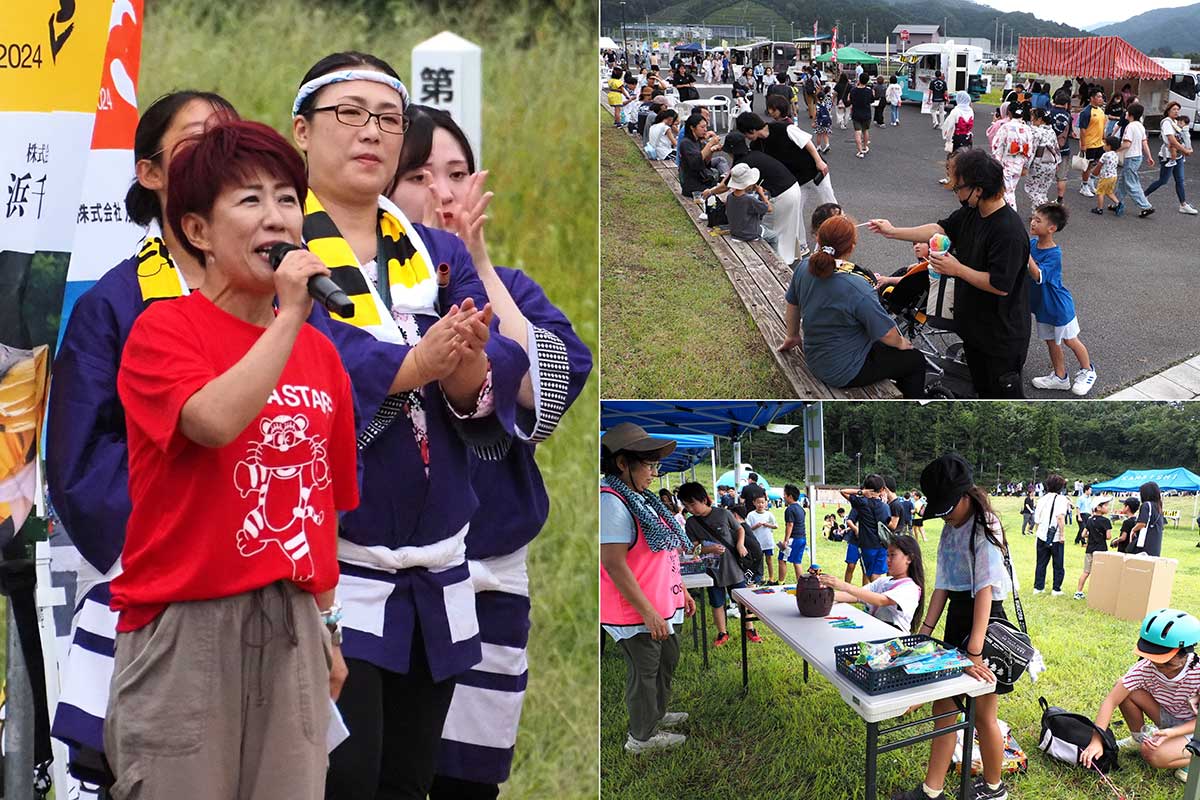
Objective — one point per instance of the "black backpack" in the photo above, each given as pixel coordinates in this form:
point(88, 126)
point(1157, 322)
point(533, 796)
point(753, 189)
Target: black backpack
point(1065, 735)
point(752, 563)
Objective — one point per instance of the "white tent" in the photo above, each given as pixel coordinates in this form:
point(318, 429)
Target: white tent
point(606, 43)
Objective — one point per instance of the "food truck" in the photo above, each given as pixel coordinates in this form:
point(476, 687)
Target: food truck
point(961, 66)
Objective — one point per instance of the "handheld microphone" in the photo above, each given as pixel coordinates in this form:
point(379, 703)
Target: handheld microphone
point(320, 287)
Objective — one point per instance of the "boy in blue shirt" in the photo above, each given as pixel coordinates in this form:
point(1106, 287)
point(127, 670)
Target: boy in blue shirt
point(794, 531)
point(872, 511)
point(1052, 304)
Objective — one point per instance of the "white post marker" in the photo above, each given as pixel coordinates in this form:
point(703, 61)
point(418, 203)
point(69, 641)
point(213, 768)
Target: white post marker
point(447, 74)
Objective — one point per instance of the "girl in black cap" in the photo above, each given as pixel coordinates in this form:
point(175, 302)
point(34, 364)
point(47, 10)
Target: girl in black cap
point(971, 578)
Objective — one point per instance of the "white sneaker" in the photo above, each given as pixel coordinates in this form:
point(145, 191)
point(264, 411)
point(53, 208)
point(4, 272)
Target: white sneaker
point(1087, 191)
point(1038, 591)
point(860, 154)
point(1052, 381)
point(732, 612)
point(1170, 163)
point(1084, 379)
point(672, 718)
point(1057, 593)
point(659, 741)
point(1132, 740)
point(1186, 208)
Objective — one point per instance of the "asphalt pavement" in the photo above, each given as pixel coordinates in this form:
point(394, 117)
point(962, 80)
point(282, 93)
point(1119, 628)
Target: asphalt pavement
point(1136, 282)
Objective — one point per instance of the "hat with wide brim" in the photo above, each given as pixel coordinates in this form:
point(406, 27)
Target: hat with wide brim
point(944, 481)
point(743, 176)
point(630, 438)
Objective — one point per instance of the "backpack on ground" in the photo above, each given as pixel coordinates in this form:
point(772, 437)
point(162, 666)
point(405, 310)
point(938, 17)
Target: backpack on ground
point(1065, 735)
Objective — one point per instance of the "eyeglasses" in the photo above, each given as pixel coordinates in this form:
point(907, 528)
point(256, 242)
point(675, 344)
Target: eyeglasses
point(358, 117)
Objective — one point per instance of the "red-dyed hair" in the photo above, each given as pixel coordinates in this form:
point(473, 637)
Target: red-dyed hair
point(211, 161)
point(838, 233)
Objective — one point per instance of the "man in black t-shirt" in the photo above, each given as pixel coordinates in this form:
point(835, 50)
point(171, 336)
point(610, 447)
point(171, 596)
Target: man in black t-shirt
point(861, 98)
point(990, 249)
point(937, 99)
point(1060, 120)
point(752, 490)
point(1098, 528)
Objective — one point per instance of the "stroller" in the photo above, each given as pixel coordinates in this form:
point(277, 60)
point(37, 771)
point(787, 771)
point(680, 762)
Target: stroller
point(907, 301)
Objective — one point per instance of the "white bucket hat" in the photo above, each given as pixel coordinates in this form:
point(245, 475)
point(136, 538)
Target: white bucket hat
point(743, 176)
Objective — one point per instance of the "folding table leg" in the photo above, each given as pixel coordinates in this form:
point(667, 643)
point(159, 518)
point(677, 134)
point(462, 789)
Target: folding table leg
point(872, 757)
point(965, 790)
point(695, 644)
point(745, 665)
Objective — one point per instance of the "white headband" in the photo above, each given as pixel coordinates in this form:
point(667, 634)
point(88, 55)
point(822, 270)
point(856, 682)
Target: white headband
point(317, 83)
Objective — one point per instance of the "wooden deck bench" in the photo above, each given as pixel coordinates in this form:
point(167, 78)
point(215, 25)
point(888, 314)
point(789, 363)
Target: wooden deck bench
point(761, 280)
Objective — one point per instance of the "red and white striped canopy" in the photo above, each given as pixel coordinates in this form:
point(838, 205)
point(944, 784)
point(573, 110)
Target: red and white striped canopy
point(1104, 57)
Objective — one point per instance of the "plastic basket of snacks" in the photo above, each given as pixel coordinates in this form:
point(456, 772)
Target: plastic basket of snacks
point(698, 565)
point(888, 665)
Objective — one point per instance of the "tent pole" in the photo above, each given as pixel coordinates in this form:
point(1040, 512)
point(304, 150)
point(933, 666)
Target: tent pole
point(712, 454)
point(737, 463)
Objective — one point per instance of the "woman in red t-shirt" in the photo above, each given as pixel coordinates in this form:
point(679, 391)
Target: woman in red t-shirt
point(241, 453)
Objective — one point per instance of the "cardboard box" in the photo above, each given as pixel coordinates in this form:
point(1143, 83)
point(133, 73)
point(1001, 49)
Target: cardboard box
point(1146, 584)
point(1105, 580)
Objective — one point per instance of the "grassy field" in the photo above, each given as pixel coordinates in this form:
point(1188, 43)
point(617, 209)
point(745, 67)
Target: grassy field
point(541, 151)
point(656, 273)
point(788, 739)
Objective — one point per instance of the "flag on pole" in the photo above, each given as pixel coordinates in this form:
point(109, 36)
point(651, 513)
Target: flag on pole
point(814, 29)
point(833, 50)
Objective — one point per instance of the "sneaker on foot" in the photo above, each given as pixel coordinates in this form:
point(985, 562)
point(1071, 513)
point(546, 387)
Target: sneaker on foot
point(985, 792)
point(1038, 591)
point(867, 149)
point(1132, 740)
point(1084, 380)
point(1079, 595)
point(917, 794)
point(1145, 212)
point(860, 154)
point(721, 640)
point(1099, 211)
point(1052, 381)
point(1087, 191)
point(754, 637)
point(1186, 208)
point(1118, 209)
point(1057, 593)
point(943, 181)
point(733, 612)
point(672, 718)
point(1170, 163)
point(659, 741)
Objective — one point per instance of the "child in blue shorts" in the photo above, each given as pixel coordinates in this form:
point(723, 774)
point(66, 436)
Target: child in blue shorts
point(851, 539)
point(795, 532)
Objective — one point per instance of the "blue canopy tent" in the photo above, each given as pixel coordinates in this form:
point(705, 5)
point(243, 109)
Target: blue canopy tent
point(690, 47)
point(724, 419)
point(1179, 479)
point(690, 450)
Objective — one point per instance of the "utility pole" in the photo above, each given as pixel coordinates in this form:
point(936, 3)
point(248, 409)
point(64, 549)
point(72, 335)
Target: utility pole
point(995, 33)
point(624, 37)
point(858, 468)
point(867, 35)
point(852, 26)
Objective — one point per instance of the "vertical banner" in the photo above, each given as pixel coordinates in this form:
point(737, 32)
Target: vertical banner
point(447, 74)
point(51, 59)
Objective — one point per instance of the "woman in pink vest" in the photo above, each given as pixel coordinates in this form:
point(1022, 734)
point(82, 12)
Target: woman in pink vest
point(642, 599)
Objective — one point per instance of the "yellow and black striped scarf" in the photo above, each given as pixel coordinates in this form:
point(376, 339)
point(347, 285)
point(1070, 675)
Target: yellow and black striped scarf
point(157, 275)
point(405, 284)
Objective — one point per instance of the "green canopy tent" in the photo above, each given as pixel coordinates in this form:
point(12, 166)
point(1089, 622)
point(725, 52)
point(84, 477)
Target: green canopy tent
point(847, 55)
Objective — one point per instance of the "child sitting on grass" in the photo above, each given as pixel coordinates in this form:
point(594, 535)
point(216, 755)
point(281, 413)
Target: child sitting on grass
point(897, 598)
point(1053, 306)
point(1163, 685)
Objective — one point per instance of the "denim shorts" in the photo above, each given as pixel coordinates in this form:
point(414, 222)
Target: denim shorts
point(717, 594)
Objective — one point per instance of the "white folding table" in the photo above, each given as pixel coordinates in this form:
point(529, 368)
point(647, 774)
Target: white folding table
point(693, 583)
point(814, 639)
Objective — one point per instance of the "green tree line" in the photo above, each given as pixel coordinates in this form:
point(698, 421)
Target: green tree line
point(1016, 441)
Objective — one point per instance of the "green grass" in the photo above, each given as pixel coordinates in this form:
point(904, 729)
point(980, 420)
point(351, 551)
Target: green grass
point(668, 307)
point(539, 143)
point(790, 739)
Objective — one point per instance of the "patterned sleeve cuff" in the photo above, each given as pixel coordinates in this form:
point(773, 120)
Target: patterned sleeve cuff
point(485, 404)
point(550, 373)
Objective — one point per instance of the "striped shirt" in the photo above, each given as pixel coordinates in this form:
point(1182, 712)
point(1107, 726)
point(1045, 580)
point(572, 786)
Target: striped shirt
point(1178, 696)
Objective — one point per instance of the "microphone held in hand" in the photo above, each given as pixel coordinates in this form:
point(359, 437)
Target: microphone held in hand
point(321, 287)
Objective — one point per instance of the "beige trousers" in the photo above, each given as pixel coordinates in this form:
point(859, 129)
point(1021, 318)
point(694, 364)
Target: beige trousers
point(222, 700)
